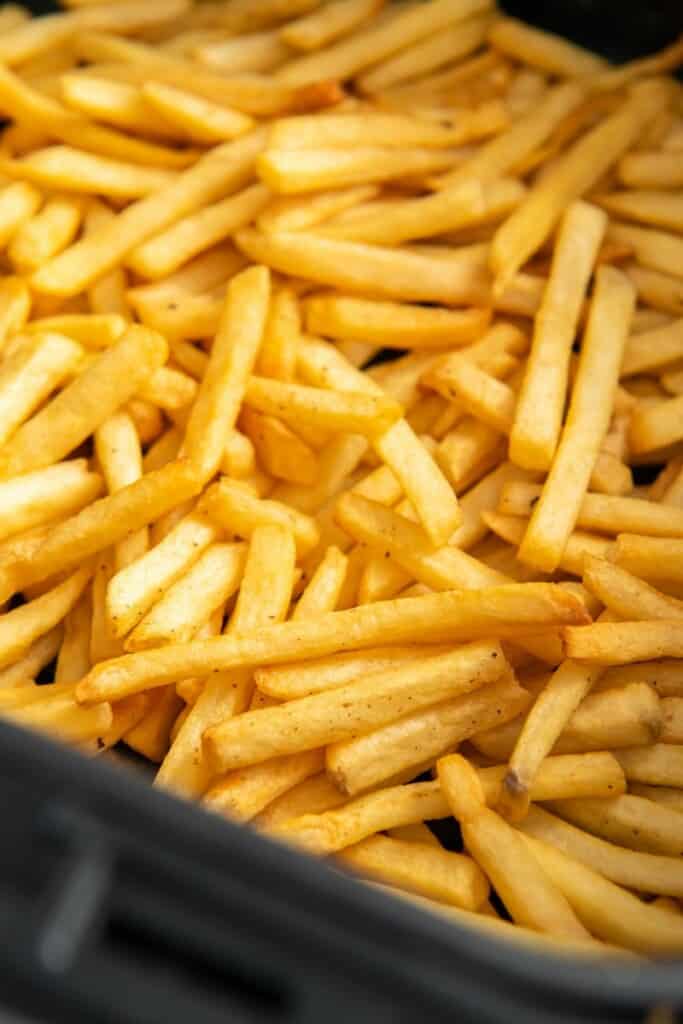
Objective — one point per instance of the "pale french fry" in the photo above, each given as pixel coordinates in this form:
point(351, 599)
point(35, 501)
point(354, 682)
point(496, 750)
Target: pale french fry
point(428, 55)
point(422, 481)
point(664, 676)
point(295, 171)
point(296, 213)
point(68, 419)
point(282, 453)
point(611, 913)
point(46, 495)
point(233, 356)
point(463, 205)
point(117, 103)
point(278, 352)
point(645, 872)
point(652, 349)
point(437, 874)
point(619, 643)
point(73, 660)
point(15, 304)
point(627, 820)
point(543, 726)
point(347, 57)
point(645, 169)
point(543, 49)
point(344, 317)
point(527, 893)
point(652, 249)
point(249, 15)
point(341, 713)
point(90, 329)
point(168, 389)
point(262, 51)
point(539, 410)
point(652, 558)
point(45, 234)
point(659, 208)
point(239, 457)
point(192, 599)
point(236, 510)
point(339, 18)
point(661, 291)
point(265, 595)
point(588, 418)
point(405, 747)
point(39, 654)
point(627, 596)
point(24, 625)
point(512, 147)
point(664, 795)
point(656, 425)
point(576, 171)
point(199, 119)
point(672, 714)
point(222, 170)
point(119, 454)
point(30, 374)
point(658, 765)
point(103, 643)
point(166, 252)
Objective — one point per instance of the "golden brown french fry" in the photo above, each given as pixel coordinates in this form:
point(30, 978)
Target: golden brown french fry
point(191, 235)
point(438, 874)
point(313, 796)
point(221, 171)
point(68, 419)
point(611, 913)
point(527, 893)
point(265, 595)
point(626, 595)
point(339, 18)
point(192, 599)
point(653, 169)
point(347, 57)
point(48, 494)
point(63, 718)
point(406, 747)
point(338, 411)
point(653, 558)
point(572, 176)
point(645, 872)
point(619, 643)
point(240, 512)
point(342, 713)
point(656, 425)
point(283, 454)
point(90, 329)
point(22, 626)
point(538, 415)
point(588, 418)
point(323, 589)
point(422, 480)
point(233, 356)
point(626, 820)
point(150, 736)
point(427, 55)
point(39, 654)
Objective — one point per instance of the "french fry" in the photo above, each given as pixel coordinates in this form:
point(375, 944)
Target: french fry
point(537, 424)
point(655, 250)
point(265, 595)
point(645, 872)
point(242, 795)
point(404, 747)
point(69, 418)
point(73, 660)
point(627, 820)
point(166, 252)
point(30, 374)
point(119, 454)
point(91, 330)
point(349, 56)
point(192, 599)
point(664, 795)
point(314, 795)
point(282, 453)
point(575, 173)
point(337, 411)
point(656, 207)
point(117, 103)
point(542, 49)
point(423, 482)
point(427, 55)
point(438, 874)
point(199, 119)
point(342, 713)
point(222, 170)
point(64, 718)
point(150, 736)
point(48, 494)
point(627, 596)
point(45, 234)
point(656, 426)
point(619, 643)
point(236, 510)
point(324, 587)
point(664, 676)
point(384, 323)
point(260, 51)
point(39, 654)
point(611, 913)
point(278, 352)
point(22, 626)
point(296, 213)
point(314, 31)
point(232, 359)
point(528, 894)
point(645, 169)
point(579, 543)
point(652, 558)
point(555, 513)
point(661, 291)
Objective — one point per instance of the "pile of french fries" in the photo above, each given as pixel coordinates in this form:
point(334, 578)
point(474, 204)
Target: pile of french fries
point(332, 595)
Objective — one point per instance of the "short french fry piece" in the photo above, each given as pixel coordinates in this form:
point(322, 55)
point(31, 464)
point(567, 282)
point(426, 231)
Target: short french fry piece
point(555, 514)
point(199, 119)
point(438, 874)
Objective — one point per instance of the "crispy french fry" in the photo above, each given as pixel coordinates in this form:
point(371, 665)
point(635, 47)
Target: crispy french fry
point(232, 359)
point(39, 654)
point(575, 172)
point(627, 820)
point(150, 736)
point(619, 643)
point(73, 660)
point(314, 795)
point(192, 599)
point(405, 747)
point(346, 411)
point(242, 795)
point(653, 558)
point(342, 713)
point(30, 374)
point(46, 495)
point(448, 877)
point(325, 586)
point(528, 894)
point(538, 414)
point(646, 872)
point(555, 514)
point(237, 510)
point(69, 418)
point(627, 596)
point(610, 912)
point(24, 625)
point(282, 453)
point(64, 718)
